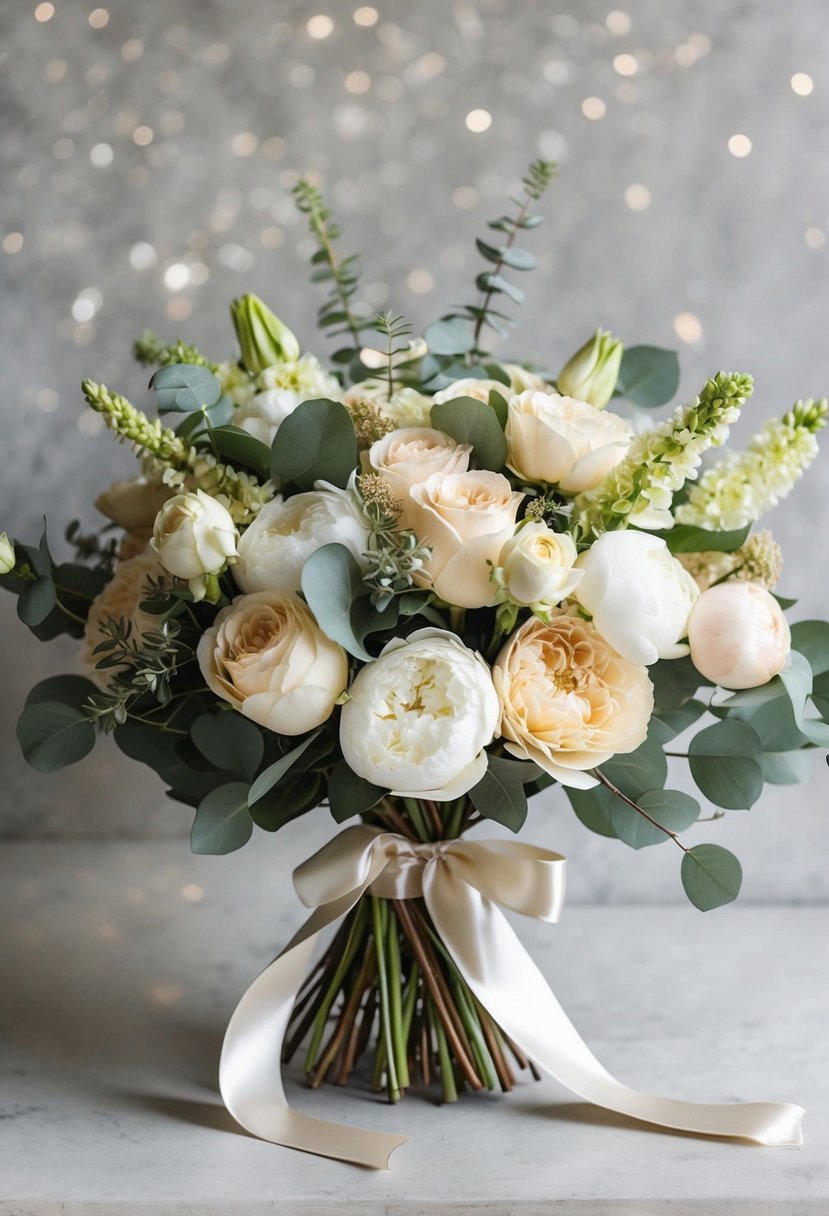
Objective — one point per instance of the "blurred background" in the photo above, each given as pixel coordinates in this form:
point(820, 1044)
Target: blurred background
point(148, 154)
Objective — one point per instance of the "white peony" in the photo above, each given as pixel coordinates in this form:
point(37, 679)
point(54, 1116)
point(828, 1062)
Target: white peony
point(639, 596)
point(285, 533)
point(194, 537)
point(417, 720)
point(282, 388)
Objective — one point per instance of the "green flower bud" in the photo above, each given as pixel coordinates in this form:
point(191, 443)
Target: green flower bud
point(6, 554)
point(263, 339)
point(592, 372)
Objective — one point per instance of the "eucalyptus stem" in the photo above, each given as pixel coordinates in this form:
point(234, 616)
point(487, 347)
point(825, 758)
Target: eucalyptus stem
point(634, 806)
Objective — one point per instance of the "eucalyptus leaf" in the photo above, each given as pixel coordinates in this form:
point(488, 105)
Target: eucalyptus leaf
point(673, 809)
point(315, 443)
point(711, 876)
point(450, 336)
point(811, 639)
point(648, 375)
point(237, 446)
point(53, 735)
point(498, 284)
point(500, 795)
point(229, 741)
point(37, 601)
point(222, 823)
point(331, 582)
point(726, 762)
point(646, 768)
point(291, 798)
point(70, 690)
point(470, 421)
point(787, 768)
point(593, 808)
point(675, 681)
point(183, 387)
point(517, 259)
point(668, 723)
point(274, 773)
point(350, 795)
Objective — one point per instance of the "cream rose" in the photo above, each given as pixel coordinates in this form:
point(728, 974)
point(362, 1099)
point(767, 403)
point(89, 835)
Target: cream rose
point(568, 701)
point(194, 537)
point(562, 441)
point(536, 565)
point(639, 596)
point(465, 519)
point(739, 636)
point(412, 454)
point(133, 505)
point(417, 720)
point(284, 534)
point(268, 657)
point(121, 597)
point(470, 387)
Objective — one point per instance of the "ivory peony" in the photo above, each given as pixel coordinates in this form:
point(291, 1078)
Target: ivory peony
point(417, 720)
point(568, 701)
point(268, 657)
point(565, 442)
point(274, 548)
point(739, 636)
point(465, 519)
point(638, 594)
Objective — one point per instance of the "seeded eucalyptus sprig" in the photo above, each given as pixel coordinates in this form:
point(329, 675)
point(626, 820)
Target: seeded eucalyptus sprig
point(336, 315)
point(139, 665)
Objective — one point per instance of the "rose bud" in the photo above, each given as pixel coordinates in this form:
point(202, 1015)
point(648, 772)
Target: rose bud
point(194, 536)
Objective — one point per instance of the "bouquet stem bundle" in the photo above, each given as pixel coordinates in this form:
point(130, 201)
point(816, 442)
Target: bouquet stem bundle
point(386, 986)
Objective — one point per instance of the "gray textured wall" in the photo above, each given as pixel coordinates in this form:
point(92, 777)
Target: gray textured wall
point(173, 129)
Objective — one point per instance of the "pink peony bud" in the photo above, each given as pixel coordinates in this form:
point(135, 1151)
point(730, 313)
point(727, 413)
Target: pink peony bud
point(738, 635)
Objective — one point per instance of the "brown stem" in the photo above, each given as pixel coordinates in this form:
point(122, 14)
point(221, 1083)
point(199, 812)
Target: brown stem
point(434, 814)
point(344, 1024)
point(350, 1052)
point(502, 1068)
point(440, 994)
point(597, 772)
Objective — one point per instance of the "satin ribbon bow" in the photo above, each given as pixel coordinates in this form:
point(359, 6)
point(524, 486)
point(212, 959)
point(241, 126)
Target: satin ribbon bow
point(464, 883)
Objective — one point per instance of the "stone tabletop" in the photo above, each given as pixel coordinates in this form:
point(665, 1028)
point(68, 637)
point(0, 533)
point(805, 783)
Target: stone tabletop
point(122, 963)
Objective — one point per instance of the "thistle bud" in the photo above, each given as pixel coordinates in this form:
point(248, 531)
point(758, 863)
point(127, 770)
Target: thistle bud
point(263, 339)
point(6, 554)
point(592, 372)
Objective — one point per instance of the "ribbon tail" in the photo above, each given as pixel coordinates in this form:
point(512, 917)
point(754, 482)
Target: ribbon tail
point(514, 992)
point(250, 1070)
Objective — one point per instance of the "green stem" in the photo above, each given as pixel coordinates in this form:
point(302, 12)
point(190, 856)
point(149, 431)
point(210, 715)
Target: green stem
point(447, 1075)
point(379, 913)
point(354, 938)
point(396, 1002)
point(455, 819)
point(417, 818)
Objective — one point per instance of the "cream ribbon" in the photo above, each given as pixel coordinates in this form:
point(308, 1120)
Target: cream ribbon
point(463, 882)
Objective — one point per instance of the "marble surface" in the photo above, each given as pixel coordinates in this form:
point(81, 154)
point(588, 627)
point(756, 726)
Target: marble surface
point(148, 153)
point(122, 963)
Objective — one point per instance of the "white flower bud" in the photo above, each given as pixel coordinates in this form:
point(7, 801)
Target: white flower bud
point(194, 537)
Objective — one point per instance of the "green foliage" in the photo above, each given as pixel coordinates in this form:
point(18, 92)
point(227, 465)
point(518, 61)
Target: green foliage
point(451, 335)
point(298, 793)
point(183, 387)
point(675, 682)
point(672, 809)
point(811, 639)
point(241, 448)
point(468, 420)
point(274, 773)
point(149, 349)
point(711, 876)
point(500, 794)
point(336, 316)
point(593, 807)
point(331, 582)
point(726, 762)
point(222, 823)
point(687, 538)
point(53, 735)
point(315, 443)
point(648, 376)
point(350, 795)
point(229, 741)
point(643, 769)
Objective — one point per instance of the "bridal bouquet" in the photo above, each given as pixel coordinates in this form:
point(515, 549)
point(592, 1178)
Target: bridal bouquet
point(419, 586)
